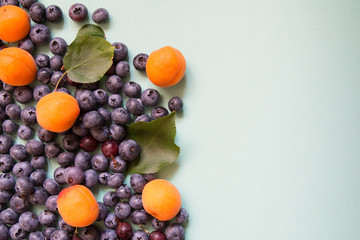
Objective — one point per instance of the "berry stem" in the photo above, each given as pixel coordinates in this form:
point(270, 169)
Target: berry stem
point(144, 229)
point(57, 84)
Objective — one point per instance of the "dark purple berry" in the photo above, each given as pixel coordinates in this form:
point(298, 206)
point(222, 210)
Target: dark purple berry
point(58, 46)
point(78, 12)
point(159, 112)
point(140, 61)
point(175, 104)
point(53, 13)
point(100, 15)
point(40, 34)
point(37, 12)
point(132, 89)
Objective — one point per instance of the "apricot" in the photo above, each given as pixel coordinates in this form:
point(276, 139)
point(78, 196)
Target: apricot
point(17, 66)
point(57, 111)
point(14, 23)
point(77, 206)
point(165, 67)
point(161, 199)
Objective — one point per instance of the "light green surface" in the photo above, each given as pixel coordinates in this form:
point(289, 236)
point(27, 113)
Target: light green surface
point(270, 130)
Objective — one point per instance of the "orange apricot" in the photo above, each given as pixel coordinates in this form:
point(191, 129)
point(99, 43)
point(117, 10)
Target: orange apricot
point(77, 206)
point(165, 67)
point(161, 199)
point(17, 66)
point(14, 23)
point(57, 111)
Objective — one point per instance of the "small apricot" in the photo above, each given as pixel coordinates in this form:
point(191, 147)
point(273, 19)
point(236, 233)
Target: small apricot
point(57, 111)
point(161, 199)
point(77, 206)
point(14, 23)
point(165, 67)
point(17, 66)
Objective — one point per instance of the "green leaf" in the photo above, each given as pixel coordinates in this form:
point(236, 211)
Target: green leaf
point(156, 140)
point(89, 56)
point(91, 29)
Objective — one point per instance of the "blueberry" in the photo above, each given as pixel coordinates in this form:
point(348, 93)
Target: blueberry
point(140, 61)
point(143, 118)
point(34, 147)
point(120, 51)
point(105, 113)
point(38, 162)
point(24, 186)
point(56, 62)
point(28, 115)
point(103, 211)
point(7, 181)
point(5, 98)
point(10, 2)
point(80, 130)
point(93, 119)
point(114, 84)
point(135, 106)
point(159, 112)
point(59, 234)
point(101, 134)
point(117, 132)
point(149, 176)
point(150, 97)
point(122, 210)
point(137, 182)
point(122, 69)
point(18, 152)
point(157, 224)
point(44, 74)
point(129, 150)
point(51, 186)
point(90, 86)
point(140, 235)
point(19, 204)
point(27, 45)
point(108, 234)
point(42, 60)
point(6, 163)
point(104, 177)
point(58, 46)
point(17, 233)
point(82, 160)
point(55, 78)
point(45, 135)
point(53, 13)
point(86, 100)
point(9, 126)
point(48, 231)
point(78, 12)
point(9, 216)
point(38, 196)
point(38, 176)
point(90, 233)
point(25, 132)
point(40, 34)
point(51, 203)
point(91, 178)
point(22, 169)
point(59, 175)
point(37, 12)
point(135, 201)
point(5, 196)
point(115, 101)
point(52, 150)
point(36, 236)
point(63, 225)
point(115, 180)
point(23, 94)
point(132, 89)
point(71, 142)
point(47, 218)
point(101, 96)
point(8, 88)
point(63, 90)
point(66, 159)
point(175, 232)
point(6, 143)
point(182, 216)
point(74, 175)
point(110, 221)
point(40, 91)
point(120, 116)
point(4, 232)
point(27, 3)
point(99, 162)
point(100, 15)
point(117, 165)
point(175, 104)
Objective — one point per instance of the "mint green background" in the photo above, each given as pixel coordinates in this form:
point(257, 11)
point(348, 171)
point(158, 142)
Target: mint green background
point(269, 135)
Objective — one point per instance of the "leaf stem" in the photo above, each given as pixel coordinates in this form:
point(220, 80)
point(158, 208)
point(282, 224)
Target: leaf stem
point(57, 84)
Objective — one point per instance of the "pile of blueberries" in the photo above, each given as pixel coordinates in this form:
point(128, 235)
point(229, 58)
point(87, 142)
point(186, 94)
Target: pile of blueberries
point(24, 181)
